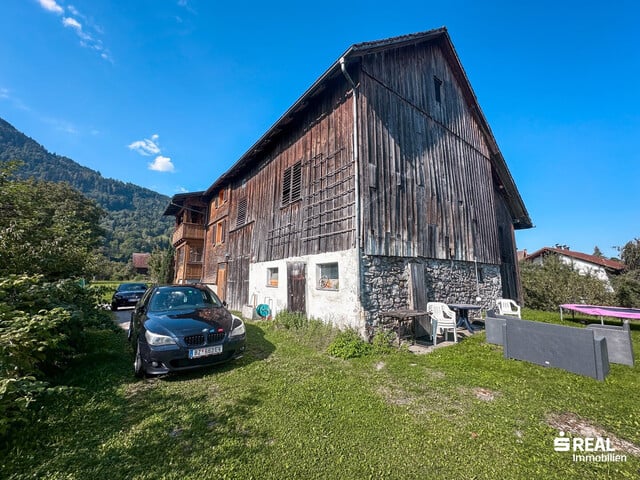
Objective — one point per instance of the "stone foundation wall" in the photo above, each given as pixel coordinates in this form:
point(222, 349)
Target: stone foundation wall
point(386, 283)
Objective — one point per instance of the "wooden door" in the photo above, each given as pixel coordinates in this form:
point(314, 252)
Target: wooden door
point(222, 281)
point(418, 299)
point(297, 287)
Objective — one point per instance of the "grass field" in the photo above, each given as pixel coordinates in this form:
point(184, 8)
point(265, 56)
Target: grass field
point(287, 410)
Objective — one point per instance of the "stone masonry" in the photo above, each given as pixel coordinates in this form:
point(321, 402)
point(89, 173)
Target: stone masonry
point(386, 283)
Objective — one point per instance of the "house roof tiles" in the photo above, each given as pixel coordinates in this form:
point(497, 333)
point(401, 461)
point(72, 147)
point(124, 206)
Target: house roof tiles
point(585, 257)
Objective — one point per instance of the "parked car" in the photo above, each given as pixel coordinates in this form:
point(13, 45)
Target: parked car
point(181, 327)
point(127, 295)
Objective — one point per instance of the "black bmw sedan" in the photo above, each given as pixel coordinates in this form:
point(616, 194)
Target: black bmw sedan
point(181, 327)
point(127, 295)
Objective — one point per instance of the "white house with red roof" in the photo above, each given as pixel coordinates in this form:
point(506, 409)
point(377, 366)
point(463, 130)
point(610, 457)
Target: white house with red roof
point(586, 264)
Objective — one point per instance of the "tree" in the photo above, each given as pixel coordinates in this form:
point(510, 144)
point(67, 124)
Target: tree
point(597, 252)
point(630, 255)
point(553, 283)
point(627, 285)
point(46, 228)
point(161, 265)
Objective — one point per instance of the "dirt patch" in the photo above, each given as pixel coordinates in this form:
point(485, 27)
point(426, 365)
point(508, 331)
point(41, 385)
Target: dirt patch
point(140, 387)
point(485, 394)
point(395, 396)
point(579, 427)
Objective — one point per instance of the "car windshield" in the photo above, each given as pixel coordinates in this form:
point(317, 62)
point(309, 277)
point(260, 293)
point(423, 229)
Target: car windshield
point(132, 287)
point(173, 298)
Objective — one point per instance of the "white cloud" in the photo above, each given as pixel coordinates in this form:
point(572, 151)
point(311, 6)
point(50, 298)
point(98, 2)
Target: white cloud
point(146, 147)
point(51, 6)
point(162, 164)
point(71, 22)
point(85, 29)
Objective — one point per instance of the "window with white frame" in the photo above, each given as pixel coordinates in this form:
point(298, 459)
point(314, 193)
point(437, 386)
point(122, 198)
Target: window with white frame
point(272, 277)
point(327, 276)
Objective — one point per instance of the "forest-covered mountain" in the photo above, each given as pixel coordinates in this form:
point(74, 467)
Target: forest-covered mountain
point(134, 221)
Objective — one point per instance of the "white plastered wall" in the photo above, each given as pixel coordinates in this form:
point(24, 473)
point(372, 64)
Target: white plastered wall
point(339, 307)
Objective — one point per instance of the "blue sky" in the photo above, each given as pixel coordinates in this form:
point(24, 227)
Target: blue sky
point(168, 94)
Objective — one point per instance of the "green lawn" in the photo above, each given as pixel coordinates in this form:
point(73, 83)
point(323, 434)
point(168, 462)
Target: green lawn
point(287, 410)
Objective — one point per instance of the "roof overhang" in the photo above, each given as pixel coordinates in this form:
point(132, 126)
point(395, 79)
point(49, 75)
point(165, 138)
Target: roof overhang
point(177, 202)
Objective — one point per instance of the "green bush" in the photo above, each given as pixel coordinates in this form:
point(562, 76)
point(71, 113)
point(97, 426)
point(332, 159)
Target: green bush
point(349, 344)
point(42, 326)
point(554, 283)
point(383, 342)
point(291, 320)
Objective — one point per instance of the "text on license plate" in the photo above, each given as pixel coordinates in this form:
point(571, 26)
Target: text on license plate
point(205, 352)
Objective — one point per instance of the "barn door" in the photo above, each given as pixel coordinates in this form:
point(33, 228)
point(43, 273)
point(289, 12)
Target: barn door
point(418, 298)
point(296, 286)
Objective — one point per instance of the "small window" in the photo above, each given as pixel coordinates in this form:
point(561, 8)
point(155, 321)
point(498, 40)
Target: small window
point(437, 86)
point(328, 276)
point(242, 212)
point(272, 277)
point(220, 198)
point(219, 231)
point(195, 254)
point(292, 184)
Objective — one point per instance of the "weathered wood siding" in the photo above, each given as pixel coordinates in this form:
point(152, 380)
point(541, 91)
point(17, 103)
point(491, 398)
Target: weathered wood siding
point(509, 272)
point(321, 220)
point(426, 180)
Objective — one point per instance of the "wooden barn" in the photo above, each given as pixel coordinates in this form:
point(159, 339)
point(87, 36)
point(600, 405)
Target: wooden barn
point(383, 184)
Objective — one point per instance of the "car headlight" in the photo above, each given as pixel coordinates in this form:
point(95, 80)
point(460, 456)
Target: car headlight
point(237, 328)
point(155, 339)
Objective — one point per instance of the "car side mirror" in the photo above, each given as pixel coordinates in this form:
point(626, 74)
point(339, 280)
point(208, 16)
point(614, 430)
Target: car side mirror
point(224, 304)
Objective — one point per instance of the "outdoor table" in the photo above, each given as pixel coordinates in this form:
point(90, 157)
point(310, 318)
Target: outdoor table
point(463, 314)
point(402, 316)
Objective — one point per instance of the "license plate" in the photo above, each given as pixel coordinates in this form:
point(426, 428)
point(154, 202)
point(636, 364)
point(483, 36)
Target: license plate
point(205, 352)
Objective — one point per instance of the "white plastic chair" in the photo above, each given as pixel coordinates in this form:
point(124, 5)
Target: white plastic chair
point(506, 306)
point(445, 319)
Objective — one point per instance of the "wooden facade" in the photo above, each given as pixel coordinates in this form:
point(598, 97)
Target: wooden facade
point(190, 211)
point(387, 154)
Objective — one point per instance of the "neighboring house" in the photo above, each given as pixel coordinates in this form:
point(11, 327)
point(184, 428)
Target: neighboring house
point(140, 263)
point(382, 187)
point(598, 267)
point(189, 210)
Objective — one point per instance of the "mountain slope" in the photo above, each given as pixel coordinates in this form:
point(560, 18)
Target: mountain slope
point(134, 221)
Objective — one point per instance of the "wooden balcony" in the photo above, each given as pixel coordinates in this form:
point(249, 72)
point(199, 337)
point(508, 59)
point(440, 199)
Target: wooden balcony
point(188, 231)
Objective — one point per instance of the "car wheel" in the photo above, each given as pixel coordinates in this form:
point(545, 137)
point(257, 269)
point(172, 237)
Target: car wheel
point(138, 363)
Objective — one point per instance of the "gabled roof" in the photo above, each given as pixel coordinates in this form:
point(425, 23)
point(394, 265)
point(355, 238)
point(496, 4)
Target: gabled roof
point(600, 261)
point(140, 260)
point(519, 213)
point(177, 201)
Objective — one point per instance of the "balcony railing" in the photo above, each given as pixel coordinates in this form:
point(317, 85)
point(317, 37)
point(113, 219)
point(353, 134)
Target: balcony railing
point(188, 231)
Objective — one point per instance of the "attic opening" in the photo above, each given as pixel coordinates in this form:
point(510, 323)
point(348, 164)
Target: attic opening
point(437, 87)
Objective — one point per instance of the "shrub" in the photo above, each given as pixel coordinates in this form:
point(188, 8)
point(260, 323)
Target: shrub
point(291, 320)
point(349, 344)
point(554, 283)
point(384, 342)
point(42, 326)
